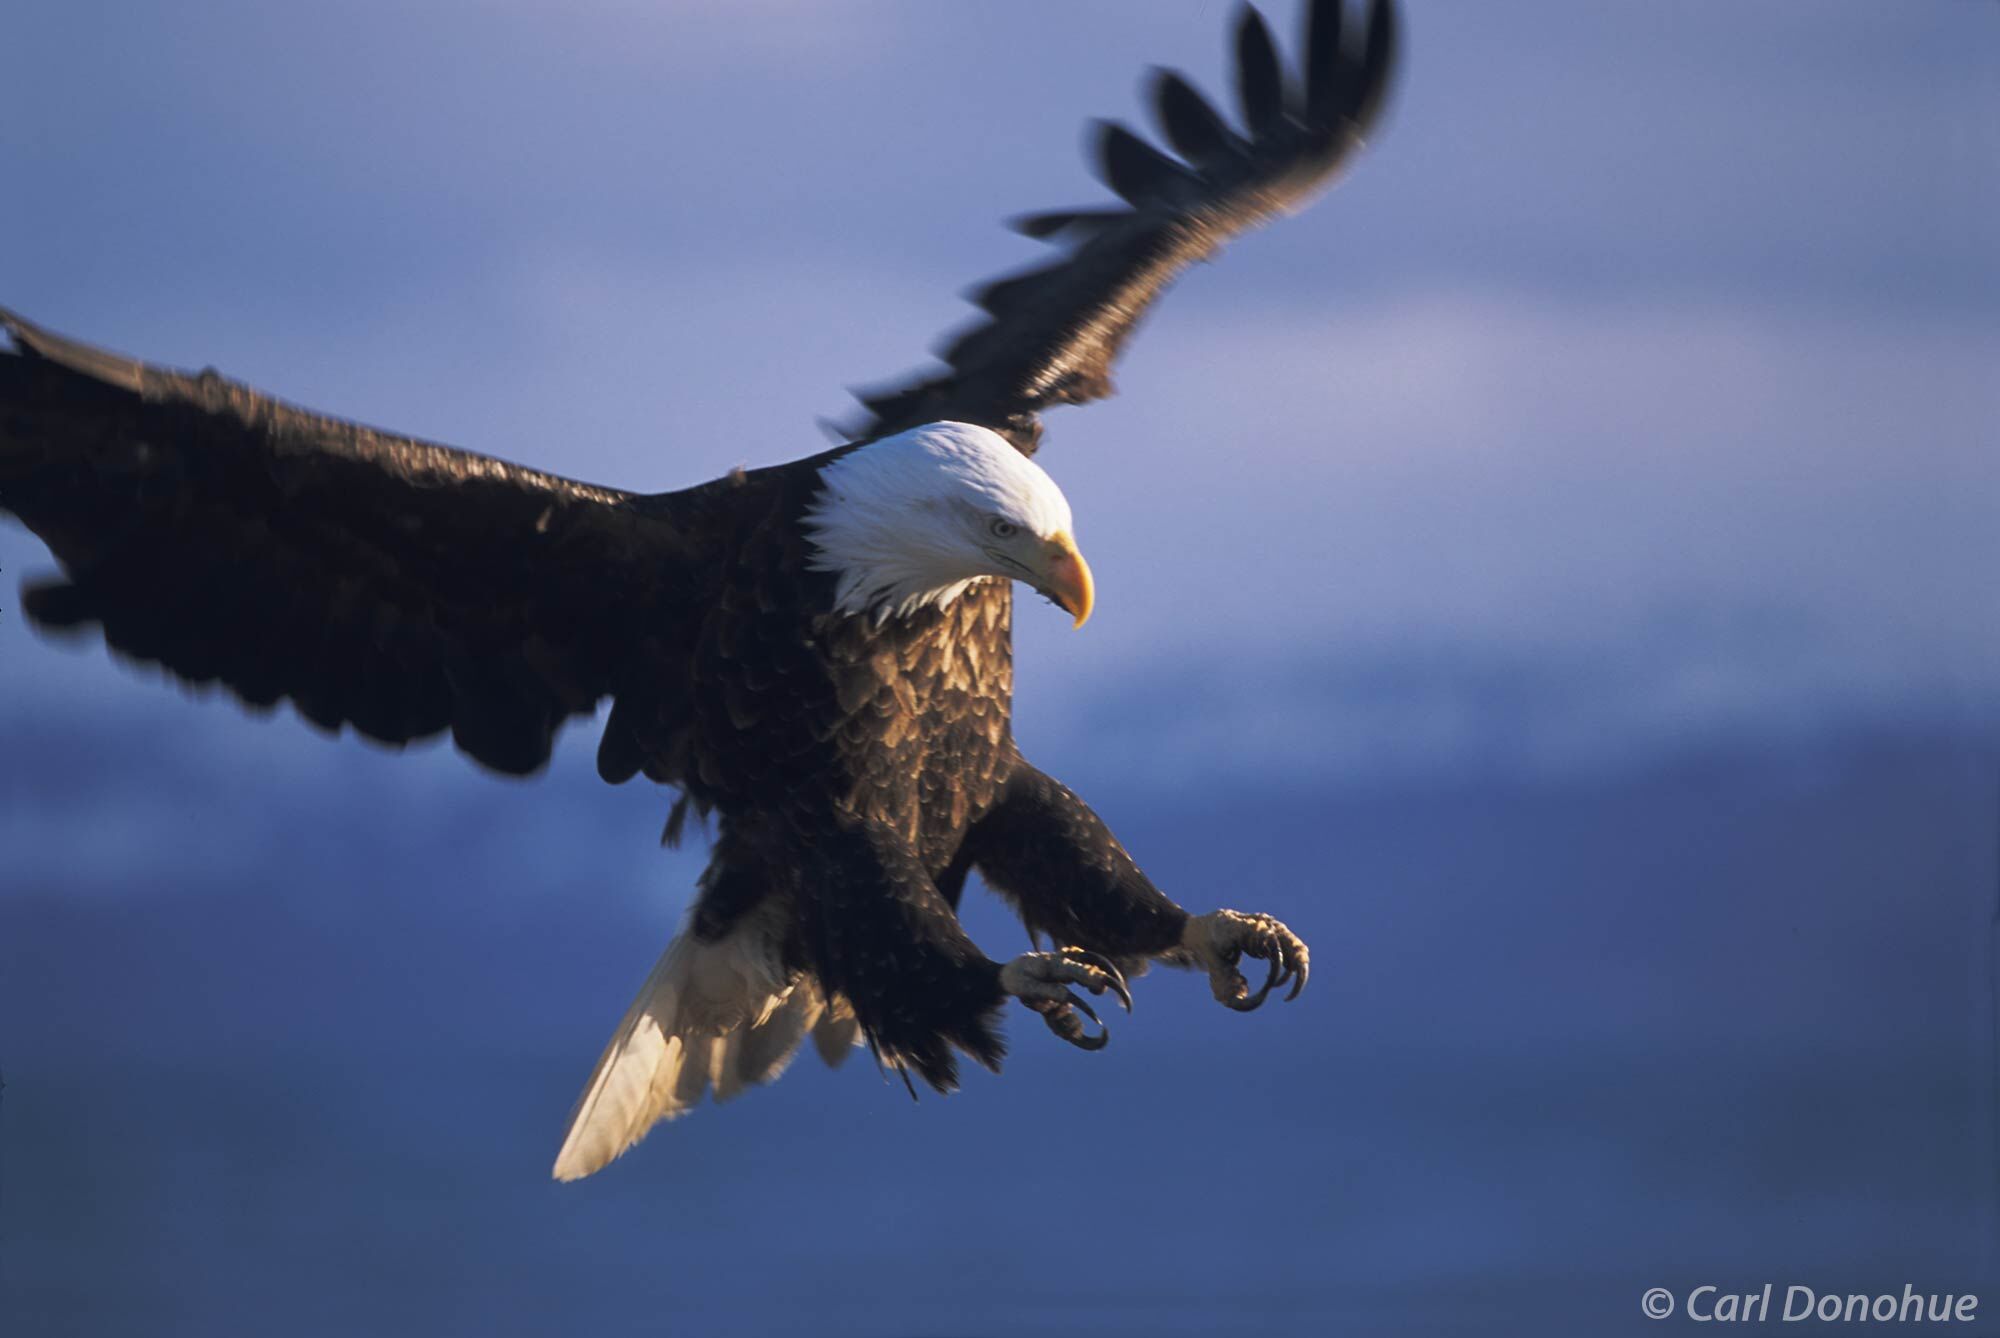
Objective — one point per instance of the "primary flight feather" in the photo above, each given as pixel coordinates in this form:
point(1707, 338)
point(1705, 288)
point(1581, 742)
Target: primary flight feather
point(816, 653)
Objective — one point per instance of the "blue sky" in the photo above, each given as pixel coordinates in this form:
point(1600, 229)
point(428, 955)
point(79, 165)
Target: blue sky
point(1556, 572)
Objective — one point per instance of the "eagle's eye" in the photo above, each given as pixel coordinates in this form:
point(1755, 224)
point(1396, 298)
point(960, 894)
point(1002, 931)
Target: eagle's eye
point(1001, 528)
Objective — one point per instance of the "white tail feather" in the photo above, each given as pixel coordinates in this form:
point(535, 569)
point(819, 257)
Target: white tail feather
point(837, 1033)
point(759, 1053)
point(720, 1014)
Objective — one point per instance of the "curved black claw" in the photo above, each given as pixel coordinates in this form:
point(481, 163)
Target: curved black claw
point(1116, 984)
point(1063, 1021)
point(1252, 1002)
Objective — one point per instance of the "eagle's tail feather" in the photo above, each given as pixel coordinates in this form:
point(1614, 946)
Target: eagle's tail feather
point(837, 1033)
point(721, 1014)
point(758, 1053)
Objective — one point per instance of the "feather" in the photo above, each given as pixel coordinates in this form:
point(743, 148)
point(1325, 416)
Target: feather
point(1045, 225)
point(837, 1034)
point(619, 1103)
point(1323, 63)
point(1135, 169)
point(1260, 80)
point(1007, 294)
point(721, 1014)
point(757, 1054)
point(1378, 66)
point(1193, 126)
point(395, 585)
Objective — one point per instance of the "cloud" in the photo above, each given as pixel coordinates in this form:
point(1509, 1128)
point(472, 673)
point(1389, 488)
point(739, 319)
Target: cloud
point(1541, 474)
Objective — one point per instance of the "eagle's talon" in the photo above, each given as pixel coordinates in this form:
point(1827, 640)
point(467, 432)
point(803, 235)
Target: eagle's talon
point(1246, 1003)
point(1077, 1001)
point(1115, 979)
point(1041, 980)
point(1219, 941)
point(1062, 1020)
point(1276, 964)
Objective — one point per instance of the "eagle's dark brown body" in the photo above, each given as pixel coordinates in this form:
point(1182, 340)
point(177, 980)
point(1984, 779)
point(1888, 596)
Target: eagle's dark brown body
point(843, 755)
point(854, 755)
point(857, 768)
point(899, 721)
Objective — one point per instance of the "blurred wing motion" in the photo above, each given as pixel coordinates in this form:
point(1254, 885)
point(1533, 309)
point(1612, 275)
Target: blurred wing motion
point(393, 585)
point(1051, 334)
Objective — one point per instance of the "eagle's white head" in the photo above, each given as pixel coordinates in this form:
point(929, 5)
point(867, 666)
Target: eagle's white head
point(912, 520)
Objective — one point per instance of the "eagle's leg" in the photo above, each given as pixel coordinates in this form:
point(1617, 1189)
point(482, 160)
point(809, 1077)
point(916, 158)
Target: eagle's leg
point(877, 931)
point(1041, 980)
point(1045, 850)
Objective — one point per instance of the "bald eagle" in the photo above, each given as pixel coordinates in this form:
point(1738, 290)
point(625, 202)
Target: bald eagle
point(817, 653)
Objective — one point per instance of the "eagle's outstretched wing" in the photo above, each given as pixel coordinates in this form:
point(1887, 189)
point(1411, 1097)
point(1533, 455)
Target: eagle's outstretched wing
point(1050, 334)
point(393, 585)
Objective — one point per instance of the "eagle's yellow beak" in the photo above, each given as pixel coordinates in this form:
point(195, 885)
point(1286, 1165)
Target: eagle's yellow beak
point(1067, 580)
